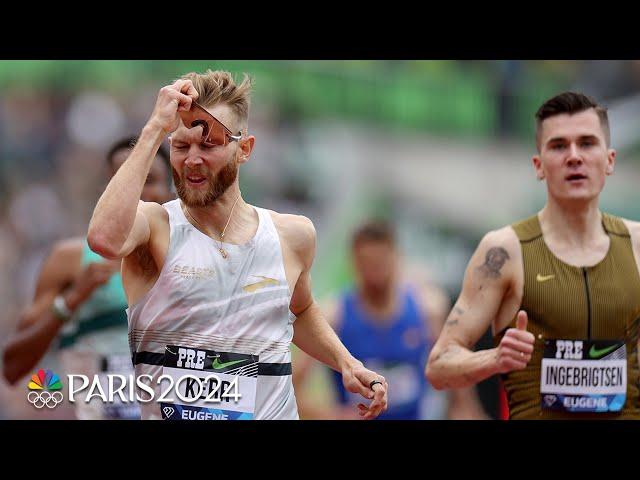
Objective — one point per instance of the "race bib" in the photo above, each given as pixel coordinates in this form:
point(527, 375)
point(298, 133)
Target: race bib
point(584, 375)
point(208, 385)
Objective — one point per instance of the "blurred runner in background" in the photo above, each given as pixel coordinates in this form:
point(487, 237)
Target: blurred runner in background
point(389, 319)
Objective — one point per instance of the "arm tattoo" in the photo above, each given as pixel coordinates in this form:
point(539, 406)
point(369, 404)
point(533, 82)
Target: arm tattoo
point(494, 261)
point(451, 322)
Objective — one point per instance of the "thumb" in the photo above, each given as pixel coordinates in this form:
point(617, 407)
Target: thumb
point(357, 385)
point(521, 321)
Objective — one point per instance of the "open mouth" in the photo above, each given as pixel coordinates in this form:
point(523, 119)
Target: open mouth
point(575, 177)
point(196, 179)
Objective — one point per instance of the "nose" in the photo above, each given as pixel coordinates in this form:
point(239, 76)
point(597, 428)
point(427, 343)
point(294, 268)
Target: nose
point(574, 157)
point(193, 157)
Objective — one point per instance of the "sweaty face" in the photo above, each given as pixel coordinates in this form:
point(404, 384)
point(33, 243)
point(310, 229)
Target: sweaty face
point(203, 173)
point(157, 186)
point(574, 158)
point(375, 263)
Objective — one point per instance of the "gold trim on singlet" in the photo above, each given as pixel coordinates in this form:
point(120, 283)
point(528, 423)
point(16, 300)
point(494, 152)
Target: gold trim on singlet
point(567, 302)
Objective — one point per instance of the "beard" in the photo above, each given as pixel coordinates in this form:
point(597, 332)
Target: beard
point(217, 186)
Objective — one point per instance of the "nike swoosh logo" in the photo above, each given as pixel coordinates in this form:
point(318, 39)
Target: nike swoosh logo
point(252, 287)
point(597, 353)
point(217, 365)
point(544, 278)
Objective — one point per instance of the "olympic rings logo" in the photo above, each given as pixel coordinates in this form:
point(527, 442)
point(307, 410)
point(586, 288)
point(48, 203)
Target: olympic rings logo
point(42, 399)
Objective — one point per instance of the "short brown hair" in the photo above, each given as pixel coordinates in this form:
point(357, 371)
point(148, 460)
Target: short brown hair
point(571, 102)
point(374, 231)
point(219, 86)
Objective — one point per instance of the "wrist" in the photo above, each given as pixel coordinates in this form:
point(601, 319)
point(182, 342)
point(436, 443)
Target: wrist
point(153, 132)
point(492, 365)
point(348, 363)
point(72, 299)
point(60, 308)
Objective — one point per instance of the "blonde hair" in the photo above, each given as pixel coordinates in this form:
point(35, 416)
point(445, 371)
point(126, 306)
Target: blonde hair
point(219, 86)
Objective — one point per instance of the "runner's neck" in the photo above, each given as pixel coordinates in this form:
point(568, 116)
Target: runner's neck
point(577, 227)
point(380, 304)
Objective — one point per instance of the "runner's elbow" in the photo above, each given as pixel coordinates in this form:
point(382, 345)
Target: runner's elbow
point(100, 244)
point(434, 376)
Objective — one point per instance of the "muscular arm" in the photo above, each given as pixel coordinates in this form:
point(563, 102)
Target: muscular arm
point(38, 326)
point(120, 221)
point(488, 278)
point(315, 336)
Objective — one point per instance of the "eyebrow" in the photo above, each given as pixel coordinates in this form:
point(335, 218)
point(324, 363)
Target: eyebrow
point(564, 139)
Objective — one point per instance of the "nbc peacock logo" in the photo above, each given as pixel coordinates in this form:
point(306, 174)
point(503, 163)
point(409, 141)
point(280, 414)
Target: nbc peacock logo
point(44, 389)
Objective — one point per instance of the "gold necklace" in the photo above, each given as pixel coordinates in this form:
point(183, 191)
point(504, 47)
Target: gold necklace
point(222, 251)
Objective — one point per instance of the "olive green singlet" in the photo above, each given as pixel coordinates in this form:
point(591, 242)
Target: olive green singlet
point(601, 302)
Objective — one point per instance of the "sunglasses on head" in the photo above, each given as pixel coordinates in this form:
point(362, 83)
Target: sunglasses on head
point(214, 132)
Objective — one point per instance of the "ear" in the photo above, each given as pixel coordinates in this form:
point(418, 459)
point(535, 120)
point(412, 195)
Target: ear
point(537, 165)
point(246, 147)
point(611, 161)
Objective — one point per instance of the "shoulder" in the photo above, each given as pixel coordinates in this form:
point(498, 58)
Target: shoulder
point(632, 226)
point(61, 265)
point(504, 238)
point(297, 231)
point(498, 256)
point(67, 252)
point(157, 218)
point(634, 231)
point(153, 211)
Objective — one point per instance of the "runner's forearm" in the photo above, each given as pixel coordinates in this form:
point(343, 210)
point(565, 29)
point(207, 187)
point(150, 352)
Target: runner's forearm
point(315, 337)
point(27, 346)
point(40, 326)
point(454, 366)
point(115, 213)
